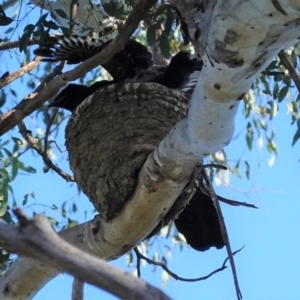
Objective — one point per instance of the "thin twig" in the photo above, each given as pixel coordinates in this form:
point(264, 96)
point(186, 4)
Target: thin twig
point(16, 44)
point(288, 65)
point(52, 118)
point(272, 73)
point(235, 203)
point(17, 74)
point(224, 234)
point(216, 166)
point(32, 142)
point(55, 72)
point(174, 275)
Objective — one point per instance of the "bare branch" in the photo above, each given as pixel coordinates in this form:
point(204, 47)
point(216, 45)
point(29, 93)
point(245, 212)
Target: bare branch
point(49, 124)
point(16, 44)
point(216, 166)
point(224, 234)
point(15, 75)
point(15, 115)
point(77, 289)
point(174, 275)
point(36, 239)
point(288, 65)
point(32, 142)
point(235, 203)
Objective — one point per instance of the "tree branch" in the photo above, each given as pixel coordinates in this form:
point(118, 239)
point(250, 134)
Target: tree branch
point(288, 65)
point(15, 75)
point(174, 275)
point(77, 289)
point(235, 203)
point(32, 142)
point(35, 238)
point(224, 234)
point(16, 44)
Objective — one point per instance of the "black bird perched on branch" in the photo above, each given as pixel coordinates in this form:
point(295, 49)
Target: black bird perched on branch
point(132, 64)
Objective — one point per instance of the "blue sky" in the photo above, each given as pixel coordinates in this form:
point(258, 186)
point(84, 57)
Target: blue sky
point(268, 266)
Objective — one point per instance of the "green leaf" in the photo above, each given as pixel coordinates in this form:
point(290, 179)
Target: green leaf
point(273, 110)
point(72, 223)
point(169, 21)
point(74, 207)
point(247, 170)
point(15, 168)
point(165, 46)
point(7, 152)
point(7, 218)
point(2, 98)
point(237, 172)
point(24, 202)
point(297, 134)
point(283, 92)
point(54, 207)
point(42, 19)
point(30, 194)
point(161, 9)
point(52, 221)
point(249, 142)
point(66, 31)
point(151, 35)
point(63, 209)
point(276, 91)
point(62, 13)
point(4, 20)
point(50, 25)
point(17, 141)
point(27, 169)
point(3, 201)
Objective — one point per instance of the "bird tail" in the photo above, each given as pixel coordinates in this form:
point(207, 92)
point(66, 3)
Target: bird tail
point(127, 63)
point(74, 49)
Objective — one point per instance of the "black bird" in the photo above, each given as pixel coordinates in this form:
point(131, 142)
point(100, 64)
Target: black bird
point(133, 64)
point(74, 94)
point(199, 223)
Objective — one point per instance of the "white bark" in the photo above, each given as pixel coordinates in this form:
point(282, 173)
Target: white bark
point(238, 40)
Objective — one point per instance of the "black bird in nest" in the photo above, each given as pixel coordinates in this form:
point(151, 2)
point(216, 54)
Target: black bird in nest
point(198, 222)
point(132, 64)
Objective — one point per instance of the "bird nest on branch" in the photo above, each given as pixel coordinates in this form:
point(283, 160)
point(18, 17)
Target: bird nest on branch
point(111, 134)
